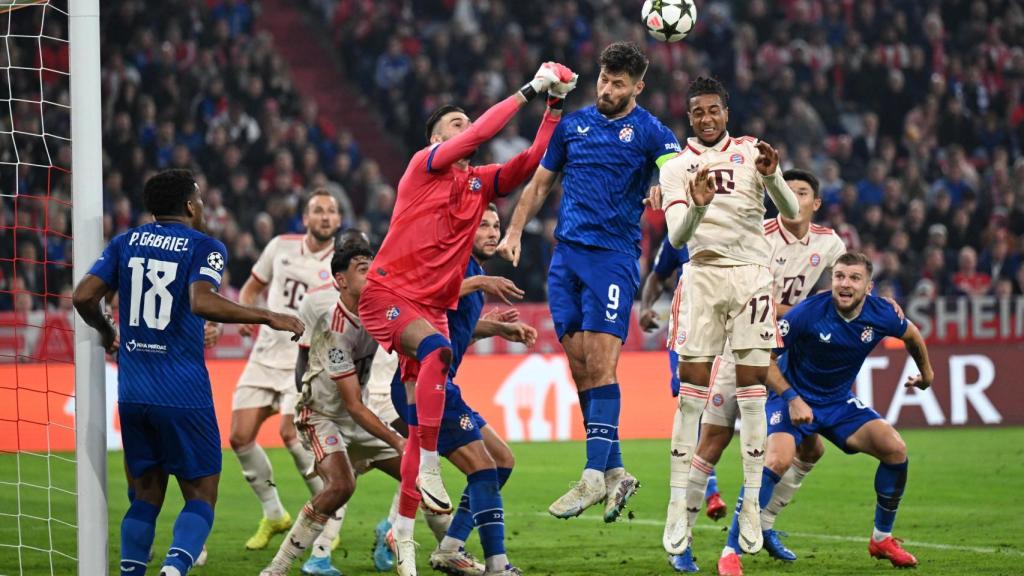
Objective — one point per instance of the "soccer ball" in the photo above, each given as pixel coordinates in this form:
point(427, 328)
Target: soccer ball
point(669, 20)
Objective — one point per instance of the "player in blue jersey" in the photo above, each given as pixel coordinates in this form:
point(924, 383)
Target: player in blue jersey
point(465, 438)
point(826, 340)
point(166, 275)
point(607, 154)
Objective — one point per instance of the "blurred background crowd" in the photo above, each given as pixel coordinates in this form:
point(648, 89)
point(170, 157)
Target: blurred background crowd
point(910, 112)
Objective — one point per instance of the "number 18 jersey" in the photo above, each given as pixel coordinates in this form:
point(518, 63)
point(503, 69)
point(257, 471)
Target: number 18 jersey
point(161, 359)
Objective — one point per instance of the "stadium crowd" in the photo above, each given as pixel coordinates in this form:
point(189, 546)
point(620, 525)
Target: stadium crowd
point(910, 112)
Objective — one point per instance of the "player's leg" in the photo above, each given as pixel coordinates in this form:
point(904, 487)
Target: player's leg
point(810, 450)
point(190, 441)
point(433, 351)
point(879, 439)
point(483, 489)
point(143, 461)
point(717, 425)
point(302, 457)
point(252, 403)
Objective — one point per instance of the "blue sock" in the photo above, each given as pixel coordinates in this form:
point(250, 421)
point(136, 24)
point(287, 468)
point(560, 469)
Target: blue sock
point(462, 521)
point(768, 481)
point(712, 486)
point(602, 426)
point(503, 475)
point(131, 494)
point(190, 531)
point(890, 480)
point(733, 540)
point(488, 513)
point(137, 530)
point(585, 405)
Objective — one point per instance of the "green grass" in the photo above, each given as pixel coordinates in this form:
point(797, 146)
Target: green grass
point(961, 513)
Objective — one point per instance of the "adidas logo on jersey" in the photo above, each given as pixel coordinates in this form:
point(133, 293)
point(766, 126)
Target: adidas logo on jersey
point(780, 261)
point(766, 335)
point(693, 168)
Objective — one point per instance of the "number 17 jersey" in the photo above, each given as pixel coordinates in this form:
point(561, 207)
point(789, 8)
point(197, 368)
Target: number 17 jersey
point(161, 359)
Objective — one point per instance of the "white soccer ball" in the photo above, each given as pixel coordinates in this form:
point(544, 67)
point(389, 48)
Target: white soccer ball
point(669, 20)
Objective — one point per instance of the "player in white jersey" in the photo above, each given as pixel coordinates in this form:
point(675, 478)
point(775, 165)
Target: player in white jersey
point(727, 287)
point(290, 265)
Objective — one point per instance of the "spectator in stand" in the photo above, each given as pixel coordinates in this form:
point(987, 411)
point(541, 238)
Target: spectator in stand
point(968, 280)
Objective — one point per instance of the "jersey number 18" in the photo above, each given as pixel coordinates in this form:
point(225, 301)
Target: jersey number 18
point(157, 301)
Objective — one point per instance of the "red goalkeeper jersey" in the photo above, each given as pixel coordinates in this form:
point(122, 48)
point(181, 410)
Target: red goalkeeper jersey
point(439, 207)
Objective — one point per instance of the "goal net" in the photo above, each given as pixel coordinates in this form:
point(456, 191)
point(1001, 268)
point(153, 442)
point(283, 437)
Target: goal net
point(38, 464)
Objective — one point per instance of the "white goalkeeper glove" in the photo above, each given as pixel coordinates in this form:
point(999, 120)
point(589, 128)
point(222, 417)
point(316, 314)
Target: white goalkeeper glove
point(547, 75)
point(559, 90)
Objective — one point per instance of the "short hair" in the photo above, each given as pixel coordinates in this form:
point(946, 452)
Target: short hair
point(351, 237)
point(706, 85)
point(320, 192)
point(855, 258)
point(165, 193)
point(436, 116)
point(626, 57)
point(491, 207)
point(803, 176)
point(344, 255)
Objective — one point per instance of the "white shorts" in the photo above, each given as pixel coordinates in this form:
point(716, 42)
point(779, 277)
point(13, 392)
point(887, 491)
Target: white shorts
point(721, 409)
point(323, 435)
point(714, 305)
point(260, 386)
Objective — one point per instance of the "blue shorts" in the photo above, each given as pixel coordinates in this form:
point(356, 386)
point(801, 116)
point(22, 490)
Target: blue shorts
point(460, 424)
point(184, 442)
point(591, 289)
point(836, 421)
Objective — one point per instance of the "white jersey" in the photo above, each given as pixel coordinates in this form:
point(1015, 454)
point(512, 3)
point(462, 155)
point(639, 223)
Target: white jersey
point(731, 233)
point(797, 263)
point(339, 347)
point(289, 269)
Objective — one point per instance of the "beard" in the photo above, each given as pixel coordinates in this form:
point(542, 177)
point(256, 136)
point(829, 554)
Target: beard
point(322, 236)
point(610, 108)
point(481, 255)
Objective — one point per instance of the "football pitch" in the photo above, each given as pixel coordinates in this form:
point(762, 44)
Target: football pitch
point(961, 513)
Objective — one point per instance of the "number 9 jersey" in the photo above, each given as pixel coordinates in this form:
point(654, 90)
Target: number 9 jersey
point(161, 358)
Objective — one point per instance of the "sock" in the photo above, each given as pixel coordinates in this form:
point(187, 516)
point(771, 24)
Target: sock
point(461, 526)
point(429, 457)
point(488, 515)
point(404, 526)
point(753, 434)
point(503, 476)
point(602, 423)
point(323, 543)
point(137, 530)
point(890, 481)
point(712, 488)
point(190, 532)
point(260, 476)
point(393, 511)
point(131, 494)
point(698, 479)
point(584, 404)
point(438, 523)
point(784, 491)
point(685, 426)
point(768, 481)
point(304, 462)
point(614, 451)
point(409, 496)
point(435, 357)
point(308, 525)
point(732, 541)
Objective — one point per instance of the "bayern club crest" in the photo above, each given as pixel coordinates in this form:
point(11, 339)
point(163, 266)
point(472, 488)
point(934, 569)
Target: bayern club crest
point(626, 134)
point(392, 312)
point(717, 399)
point(867, 335)
point(331, 440)
point(736, 158)
point(681, 338)
point(815, 259)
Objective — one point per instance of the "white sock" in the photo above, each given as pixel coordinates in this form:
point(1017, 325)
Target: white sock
point(727, 551)
point(429, 458)
point(878, 536)
point(753, 435)
point(393, 512)
point(698, 483)
point(685, 426)
point(449, 544)
point(260, 476)
point(306, 528)
point(323, 543)
point(784, 490)
point(403, 527)
point(438, 523)
point(496, 563)
point(304, 462)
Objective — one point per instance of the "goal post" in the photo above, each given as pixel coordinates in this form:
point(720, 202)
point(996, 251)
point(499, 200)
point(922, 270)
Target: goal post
point(87, 223)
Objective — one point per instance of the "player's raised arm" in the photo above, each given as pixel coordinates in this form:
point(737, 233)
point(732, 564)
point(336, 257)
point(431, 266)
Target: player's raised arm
point(768, 165)
point(495, 118)
point(915, 345)
point(678, 191)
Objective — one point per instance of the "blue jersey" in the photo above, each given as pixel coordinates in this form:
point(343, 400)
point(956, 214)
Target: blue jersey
point(824, 352)
point(607, 167)
point(161, 359)
point(462, 321)
point(669, 259)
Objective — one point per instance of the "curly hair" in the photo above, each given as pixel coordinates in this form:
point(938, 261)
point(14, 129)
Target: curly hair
point(707, 85)
point(626, 57)
point(165, 193)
